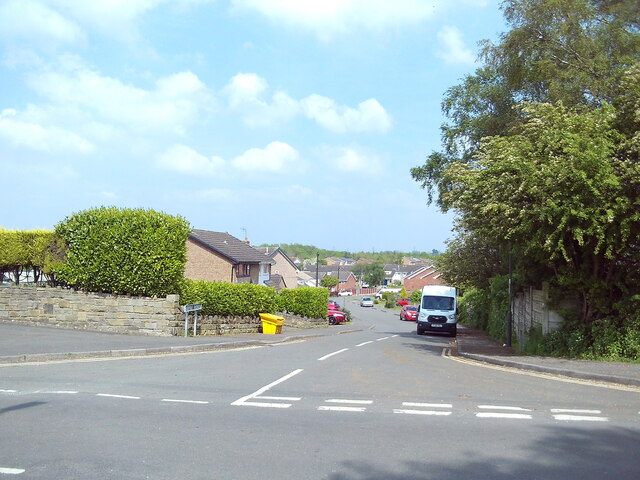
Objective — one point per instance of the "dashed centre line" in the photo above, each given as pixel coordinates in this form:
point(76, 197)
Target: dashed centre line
point(412, 411)
point(11, 471)
point(498, 414)
point(332, 354)
point(128, 397)
point(174, 400)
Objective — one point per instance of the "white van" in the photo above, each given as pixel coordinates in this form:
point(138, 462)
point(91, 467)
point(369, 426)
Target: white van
point(387, 290)
point(438, 310)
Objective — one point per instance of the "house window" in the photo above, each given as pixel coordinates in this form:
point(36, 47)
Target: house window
point(243, 270)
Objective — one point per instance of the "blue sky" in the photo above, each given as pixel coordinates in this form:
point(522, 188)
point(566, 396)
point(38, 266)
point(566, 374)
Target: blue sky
point(295, 121)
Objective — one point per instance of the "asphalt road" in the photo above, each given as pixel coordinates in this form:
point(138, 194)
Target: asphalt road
point(382, 403)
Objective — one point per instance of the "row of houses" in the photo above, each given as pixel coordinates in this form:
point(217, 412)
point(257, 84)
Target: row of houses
point(221, 257)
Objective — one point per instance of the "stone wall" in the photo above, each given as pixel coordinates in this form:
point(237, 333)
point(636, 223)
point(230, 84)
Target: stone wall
point(59, 307)
point(89, 311)
point(216, 325)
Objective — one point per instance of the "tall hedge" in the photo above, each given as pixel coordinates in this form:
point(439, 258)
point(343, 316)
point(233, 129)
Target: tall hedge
point(304, 301)
point(229, 299)
point(125, 251)
point(22, 250)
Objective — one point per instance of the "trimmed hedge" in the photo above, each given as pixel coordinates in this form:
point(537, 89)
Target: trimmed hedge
point(247, 299)
point(124, 251)
point(229, 299)
point(24, 250)
point(304, 301)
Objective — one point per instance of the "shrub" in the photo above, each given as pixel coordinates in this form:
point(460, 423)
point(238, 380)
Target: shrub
point(24, 250)
point(229, 299)
point(130, 251)
point(415, 297)
point(304, 301)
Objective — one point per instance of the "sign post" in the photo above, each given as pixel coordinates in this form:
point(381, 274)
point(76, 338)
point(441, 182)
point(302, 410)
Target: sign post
point(191, 307)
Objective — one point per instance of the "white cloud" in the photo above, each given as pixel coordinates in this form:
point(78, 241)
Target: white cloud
point(370, 116)
point(351, 159)
point(183, 159)
point(174, 103)
point(453, 49)
point(275, 157)
point(330, 17)
point(35, 23)
point(216, 194)
point(25, 132)
point(245, 93)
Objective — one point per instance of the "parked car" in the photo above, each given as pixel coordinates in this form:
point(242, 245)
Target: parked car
point(345, 293)
point(401, 302)
point(409, 312)
point(366, 302)
point(333, 305)
point(336, 317)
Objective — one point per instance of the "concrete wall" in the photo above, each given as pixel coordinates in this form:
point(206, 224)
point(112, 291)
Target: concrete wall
point(531, 310)
point(89, 311)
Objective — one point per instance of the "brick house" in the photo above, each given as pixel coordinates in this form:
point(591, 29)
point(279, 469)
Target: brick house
point(283, 266)
point(220, 257)
point(421, 277)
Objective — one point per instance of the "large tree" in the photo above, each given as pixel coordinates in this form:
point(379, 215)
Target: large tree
point(573, 51)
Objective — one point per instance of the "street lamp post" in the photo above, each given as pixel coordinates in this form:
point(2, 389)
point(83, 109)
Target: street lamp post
point(317, 262)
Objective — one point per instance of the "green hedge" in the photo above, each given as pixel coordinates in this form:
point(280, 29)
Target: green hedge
point(125, 251)
point(229, 299)
point(246, 299)
point(304, 301)
point(24, 250)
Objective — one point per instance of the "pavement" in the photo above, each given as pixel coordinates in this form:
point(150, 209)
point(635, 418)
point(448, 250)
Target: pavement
point(20, 343)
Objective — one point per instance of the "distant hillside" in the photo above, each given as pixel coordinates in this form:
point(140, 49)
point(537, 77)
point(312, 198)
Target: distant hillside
point(309, 252)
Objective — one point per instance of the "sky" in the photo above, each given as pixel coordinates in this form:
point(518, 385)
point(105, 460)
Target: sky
point(288, 121)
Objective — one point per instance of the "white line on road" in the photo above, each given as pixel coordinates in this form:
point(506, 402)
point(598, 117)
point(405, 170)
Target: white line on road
point(364, 343)
point(574, 410)
point(260, 391)
point(11, 471)
point(63, 392)
point(129, 397)
point(580, 418)
point(383, 338)
point(289, 399)
point(518, 416)
point(502, 407)
point(342, 409)
point(332, 354)
point(8, 391)
point(355, 402)
point(427, 405)
point(174, 400)
point(421, 412)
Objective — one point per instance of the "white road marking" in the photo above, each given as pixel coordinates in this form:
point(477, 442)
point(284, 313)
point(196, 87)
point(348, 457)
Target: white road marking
point(11, 471)
point(8, 391)
point(364, 343)
point(421, 412)
point(355, 402)
point(424, 412)
point(517, 416)
point(502, 407)
point(383, 338)
point(174, 400)
point(332, 354)
point(580, 418)
point(129, 397)
point(513, 416)
point(260, 391)
point(289, 399)
point(62, 392)
point(342, 409)
point(573, 415)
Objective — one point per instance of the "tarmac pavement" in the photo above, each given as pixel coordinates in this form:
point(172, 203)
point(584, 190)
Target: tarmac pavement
point(26, 343)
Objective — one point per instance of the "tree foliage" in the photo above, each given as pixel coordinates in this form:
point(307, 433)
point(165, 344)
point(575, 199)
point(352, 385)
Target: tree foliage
point(130, 251)
point(329, 281)
point(22, 251)
point(541, 157)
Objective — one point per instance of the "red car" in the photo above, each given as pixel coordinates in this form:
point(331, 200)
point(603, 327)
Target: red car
point(401, 302)
point(332, 305)
point(409, 312)
point(336, 317)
